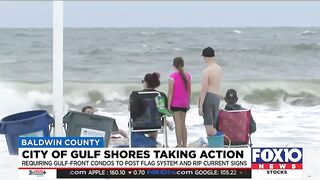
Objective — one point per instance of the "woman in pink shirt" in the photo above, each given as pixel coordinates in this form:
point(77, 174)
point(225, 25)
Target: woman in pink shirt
point(179, 99)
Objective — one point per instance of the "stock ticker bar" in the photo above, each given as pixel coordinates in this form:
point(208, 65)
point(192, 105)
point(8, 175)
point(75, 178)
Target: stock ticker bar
point(154, 173)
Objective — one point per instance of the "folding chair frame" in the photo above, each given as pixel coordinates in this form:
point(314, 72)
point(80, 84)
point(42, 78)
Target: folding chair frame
point(249, 144)
point(163, 128)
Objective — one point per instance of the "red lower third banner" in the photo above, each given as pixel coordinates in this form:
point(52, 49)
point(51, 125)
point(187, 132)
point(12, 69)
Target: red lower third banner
point(289, 166)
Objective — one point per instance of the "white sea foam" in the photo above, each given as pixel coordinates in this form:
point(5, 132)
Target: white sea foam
point(177, 49)
point(148, 33)
point(13, 102)
point(285, 125)
point(274, 104)
point(307, 32)
point(237, 31)
point(36, 97)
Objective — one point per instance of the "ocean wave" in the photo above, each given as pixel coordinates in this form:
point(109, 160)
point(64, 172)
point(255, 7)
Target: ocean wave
point(237, 31)
point(298, 48)
point(267, 96)
point(177, 49)
point(17, 96)
point(307, 33)
point(148, 33)
point(94, 52)
point(307, 46)
point(22, 34)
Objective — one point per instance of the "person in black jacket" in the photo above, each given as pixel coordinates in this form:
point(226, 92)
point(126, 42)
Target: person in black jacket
point(231, 100)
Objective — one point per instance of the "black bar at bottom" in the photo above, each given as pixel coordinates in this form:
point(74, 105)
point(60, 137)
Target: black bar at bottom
point(154, 173)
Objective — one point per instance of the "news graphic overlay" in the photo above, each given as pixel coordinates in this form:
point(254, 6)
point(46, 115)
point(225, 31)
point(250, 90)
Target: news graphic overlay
point(75, 161)
point(164, 163)
point(39, 156)
point(277, 162)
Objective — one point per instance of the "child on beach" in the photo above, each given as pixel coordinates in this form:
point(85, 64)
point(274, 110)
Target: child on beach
point(90, 110)
point(179, 99)
point(231, 105)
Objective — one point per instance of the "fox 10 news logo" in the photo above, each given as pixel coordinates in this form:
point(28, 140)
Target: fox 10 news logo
point(277, 162)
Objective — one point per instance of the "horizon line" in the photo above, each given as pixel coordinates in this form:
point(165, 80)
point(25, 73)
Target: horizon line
point(154, 27)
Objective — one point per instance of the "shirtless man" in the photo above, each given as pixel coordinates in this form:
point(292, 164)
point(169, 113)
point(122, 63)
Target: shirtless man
point(210, 89)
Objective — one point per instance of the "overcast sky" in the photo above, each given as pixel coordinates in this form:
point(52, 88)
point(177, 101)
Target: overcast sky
point(163, 14)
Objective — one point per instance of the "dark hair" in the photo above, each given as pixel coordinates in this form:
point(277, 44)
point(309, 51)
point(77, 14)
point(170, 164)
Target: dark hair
point(86, 107)
point(152, 80)
point(231, 96)
point(179, 63)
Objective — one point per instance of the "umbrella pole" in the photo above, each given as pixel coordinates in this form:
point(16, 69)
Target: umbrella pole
point(58, 67)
